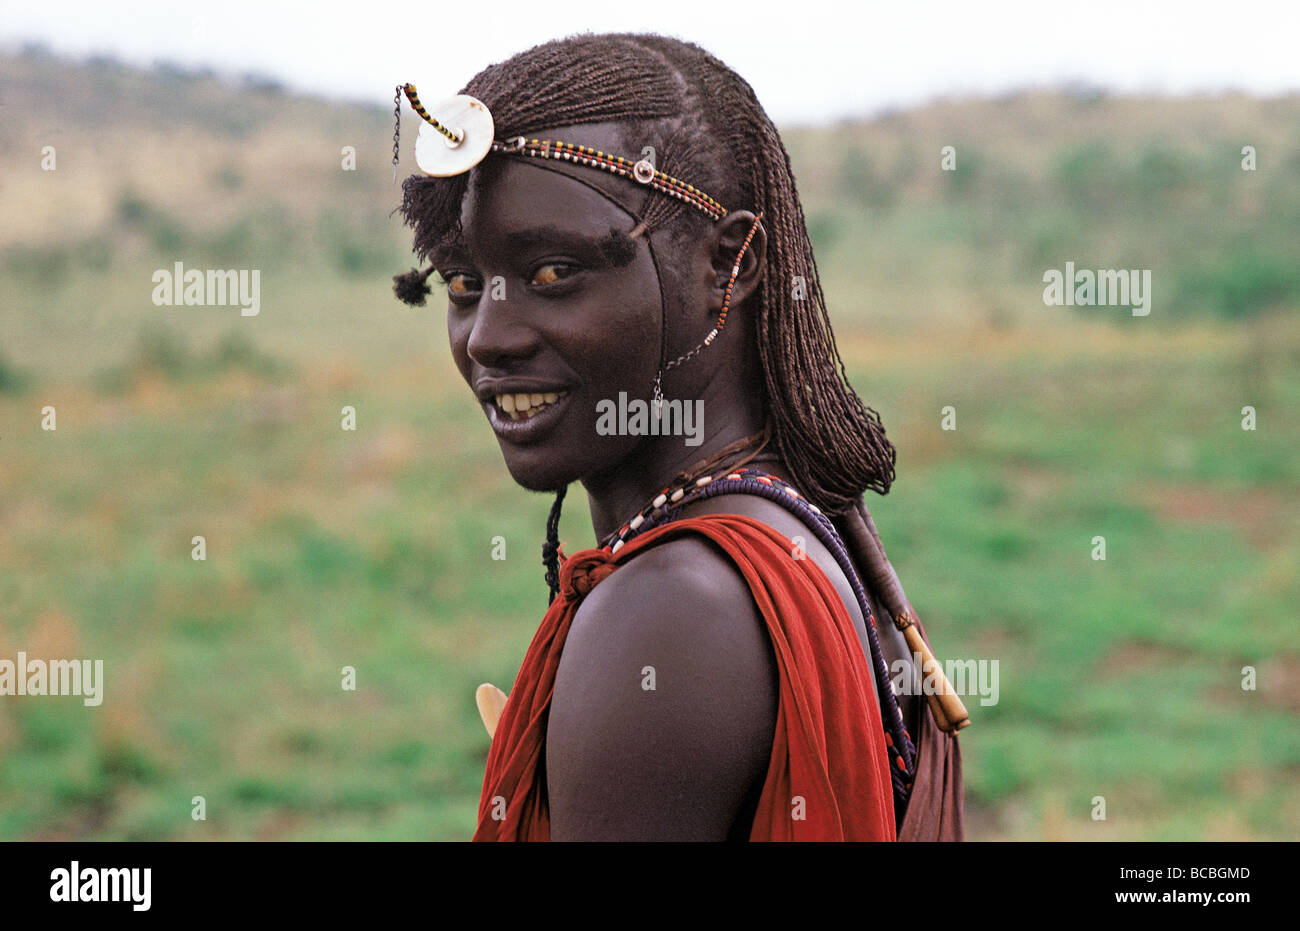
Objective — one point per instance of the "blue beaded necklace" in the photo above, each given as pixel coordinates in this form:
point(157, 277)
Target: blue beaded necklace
point(666, 507)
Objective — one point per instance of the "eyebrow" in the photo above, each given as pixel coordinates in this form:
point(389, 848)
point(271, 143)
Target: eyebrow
point(588, 245)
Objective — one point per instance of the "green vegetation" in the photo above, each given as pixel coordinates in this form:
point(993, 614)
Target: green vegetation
point(372, 549)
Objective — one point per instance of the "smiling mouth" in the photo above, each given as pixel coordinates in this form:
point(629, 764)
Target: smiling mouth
point(523, 406)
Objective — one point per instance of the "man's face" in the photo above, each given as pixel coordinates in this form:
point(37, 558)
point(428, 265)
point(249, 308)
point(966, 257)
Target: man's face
point(543, 322)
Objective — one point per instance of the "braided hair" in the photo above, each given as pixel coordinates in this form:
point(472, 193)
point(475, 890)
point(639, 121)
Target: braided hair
point(712, 130)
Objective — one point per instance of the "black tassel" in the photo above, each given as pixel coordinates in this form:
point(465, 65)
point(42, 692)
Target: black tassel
point(411, 287)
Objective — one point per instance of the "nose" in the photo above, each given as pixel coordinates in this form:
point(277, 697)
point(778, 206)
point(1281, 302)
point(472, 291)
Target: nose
point(499, 336)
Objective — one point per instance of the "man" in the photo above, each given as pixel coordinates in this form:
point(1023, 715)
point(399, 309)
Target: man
point(726, 681)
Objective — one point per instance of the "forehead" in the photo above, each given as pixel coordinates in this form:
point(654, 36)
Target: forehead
point(510, 190)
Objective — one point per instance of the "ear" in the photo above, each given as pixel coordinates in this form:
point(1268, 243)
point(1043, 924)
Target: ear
point(728, 237)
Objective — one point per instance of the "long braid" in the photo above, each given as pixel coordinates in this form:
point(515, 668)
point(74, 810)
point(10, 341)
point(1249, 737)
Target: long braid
point(551, 548)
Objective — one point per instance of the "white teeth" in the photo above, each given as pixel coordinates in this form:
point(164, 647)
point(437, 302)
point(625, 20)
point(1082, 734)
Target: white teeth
point(550, 397)
point(536, 399)
point(507, 402)
point(522, 402)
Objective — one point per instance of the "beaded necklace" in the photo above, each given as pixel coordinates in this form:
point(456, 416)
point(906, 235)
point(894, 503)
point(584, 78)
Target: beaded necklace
point(667, 506)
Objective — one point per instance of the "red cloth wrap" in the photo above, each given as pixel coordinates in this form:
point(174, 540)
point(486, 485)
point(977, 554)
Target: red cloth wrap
point(828, 746)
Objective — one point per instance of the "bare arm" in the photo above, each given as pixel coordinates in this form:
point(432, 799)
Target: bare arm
point(665, 701)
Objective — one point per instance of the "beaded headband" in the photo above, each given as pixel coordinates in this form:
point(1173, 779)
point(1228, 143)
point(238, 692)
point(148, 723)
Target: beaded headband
point(442, 151)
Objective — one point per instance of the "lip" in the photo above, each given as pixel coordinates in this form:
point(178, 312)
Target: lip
point(529, 430)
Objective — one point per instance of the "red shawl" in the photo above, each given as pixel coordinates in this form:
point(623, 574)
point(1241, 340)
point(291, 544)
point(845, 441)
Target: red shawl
point(829, 745)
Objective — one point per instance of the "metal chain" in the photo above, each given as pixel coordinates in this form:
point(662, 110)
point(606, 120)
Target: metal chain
point(397, 127)
point(684, 358)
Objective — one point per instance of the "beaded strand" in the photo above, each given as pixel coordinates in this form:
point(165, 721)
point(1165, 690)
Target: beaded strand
point(641, 171)
point(454, 136)
point(726, 301)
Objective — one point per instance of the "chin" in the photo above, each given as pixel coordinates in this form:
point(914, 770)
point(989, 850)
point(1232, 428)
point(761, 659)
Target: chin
point(548, 469)
point(539, 469)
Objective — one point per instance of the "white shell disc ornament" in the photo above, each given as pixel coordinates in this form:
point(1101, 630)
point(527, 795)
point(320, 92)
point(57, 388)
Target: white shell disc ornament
point(439, 156)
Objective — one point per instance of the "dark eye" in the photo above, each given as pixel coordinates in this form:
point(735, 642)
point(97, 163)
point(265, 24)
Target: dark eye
point(552, 273)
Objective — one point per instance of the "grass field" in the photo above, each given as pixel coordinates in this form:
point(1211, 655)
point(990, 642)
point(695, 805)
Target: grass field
point(372, 548)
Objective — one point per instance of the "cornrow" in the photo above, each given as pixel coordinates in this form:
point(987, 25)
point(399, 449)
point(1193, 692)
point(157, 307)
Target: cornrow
point(672, 158)
point(712, 130)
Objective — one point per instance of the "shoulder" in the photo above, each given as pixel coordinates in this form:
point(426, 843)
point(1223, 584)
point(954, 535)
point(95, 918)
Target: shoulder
point(803, 541)
point(690, 575)
point(665, 700)
point(684, 602)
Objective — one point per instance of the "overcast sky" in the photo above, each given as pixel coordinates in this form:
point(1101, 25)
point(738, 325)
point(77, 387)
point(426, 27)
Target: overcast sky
point(808, 60)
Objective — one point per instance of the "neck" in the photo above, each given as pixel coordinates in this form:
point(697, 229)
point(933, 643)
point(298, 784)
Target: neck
point(616, 495)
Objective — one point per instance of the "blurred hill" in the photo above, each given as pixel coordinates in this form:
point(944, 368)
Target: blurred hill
point(1043, 178)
